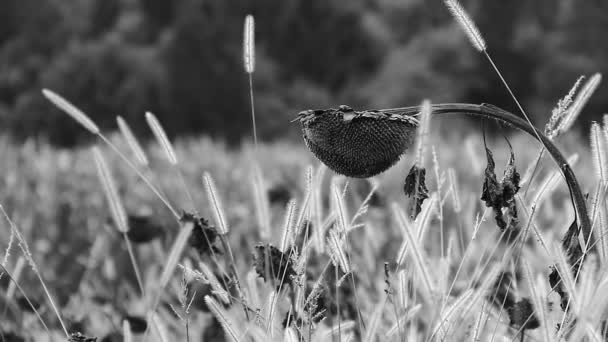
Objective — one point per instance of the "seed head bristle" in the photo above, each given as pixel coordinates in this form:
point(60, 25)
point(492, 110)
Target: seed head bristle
point(454, 189)
point(176, 250)
point(558, 113)
point(598, 150)
point(467, 24)
point(288, 232)
point(580, 101)
point(270, 311)
point(336, 251)
point(341, 209)
point(210, 278)
point(220, 218)
point(131, 140)
point(423, 132)
point(416, 252)
point(222, 316)
point(71, 110)
point(161, 137)
point(249, 44)
point(116, 208)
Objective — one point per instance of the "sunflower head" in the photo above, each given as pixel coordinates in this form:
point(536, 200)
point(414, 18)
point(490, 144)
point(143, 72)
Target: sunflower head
point(357, 144)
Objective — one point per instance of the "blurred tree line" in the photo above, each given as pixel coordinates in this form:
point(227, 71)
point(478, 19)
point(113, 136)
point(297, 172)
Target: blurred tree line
point(182, 60)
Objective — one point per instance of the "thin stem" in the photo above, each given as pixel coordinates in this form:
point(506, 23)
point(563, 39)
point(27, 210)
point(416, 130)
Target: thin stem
point(135, 266)
point(536, 164)
point(255, 134)
point(141, 175)
point(485, 52)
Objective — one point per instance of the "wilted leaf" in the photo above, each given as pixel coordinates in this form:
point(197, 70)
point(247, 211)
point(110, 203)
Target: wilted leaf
point(574, 252)
point(501, 195)
point(415, 186)
point(268, 259)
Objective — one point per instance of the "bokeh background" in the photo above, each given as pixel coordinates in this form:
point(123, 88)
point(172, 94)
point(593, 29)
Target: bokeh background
point(182, 60)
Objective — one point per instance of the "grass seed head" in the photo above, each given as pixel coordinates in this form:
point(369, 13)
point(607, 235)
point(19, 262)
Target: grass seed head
point(357, 144)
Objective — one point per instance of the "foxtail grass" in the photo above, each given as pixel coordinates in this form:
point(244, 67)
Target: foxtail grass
point(218, 212)
point(25, 249)
point(117, 210)
point(249, 64)
point(177, 248)
point(16, 285)
point(87, 123)
point(72, 111)
point(336, 251)
point(598, 152)
point(417, 254)
point(222, 316)
point(132, 141)
point(161, 137)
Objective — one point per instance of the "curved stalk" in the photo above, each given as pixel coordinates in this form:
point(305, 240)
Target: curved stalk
point(492, 112)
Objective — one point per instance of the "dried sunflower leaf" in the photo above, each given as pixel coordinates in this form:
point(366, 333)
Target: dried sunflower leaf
point(501, 195)
point(415, 186)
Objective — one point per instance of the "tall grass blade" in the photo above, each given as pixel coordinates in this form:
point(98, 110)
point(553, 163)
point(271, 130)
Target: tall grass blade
point(537, 293)
point(416, 252)
point(161, 137)
point(210, 278)
point(214, 200)
point(116, 208)
point(249, 44)
point(222, 316)
point(343, 222)
point(336, 251)
point(25, 249)
point(132, 141)
point(598, 151)
point(71, 110)
point(374, 321)
point(580, 101)
point(288, 226)
point(262, 209)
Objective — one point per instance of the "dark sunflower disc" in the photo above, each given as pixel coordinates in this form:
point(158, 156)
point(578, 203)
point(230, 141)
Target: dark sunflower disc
point(357, 144)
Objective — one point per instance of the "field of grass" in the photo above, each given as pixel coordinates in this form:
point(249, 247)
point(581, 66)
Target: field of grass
point(191, 241)
point(444, 288)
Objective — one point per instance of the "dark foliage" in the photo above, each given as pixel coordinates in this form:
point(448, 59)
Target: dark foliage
point(79, 337)
point(269, 260)
point(138, 323)
point(10, 336)
point(203, 237)
point(415, 186)
point(521, 315)
point(574, 253)
point(502, 294)
point(24, 305)
point(199, 290)
point(144, 229)
point(279, 194)
point(498, 195)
